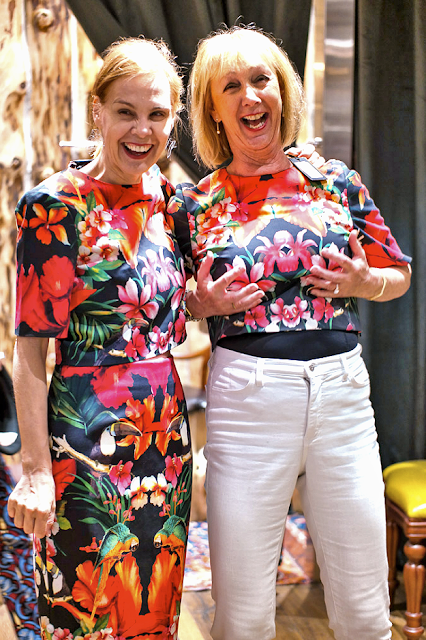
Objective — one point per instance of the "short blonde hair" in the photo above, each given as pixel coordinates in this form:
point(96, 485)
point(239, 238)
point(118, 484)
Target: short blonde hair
point(129, 57)
point(218, 53)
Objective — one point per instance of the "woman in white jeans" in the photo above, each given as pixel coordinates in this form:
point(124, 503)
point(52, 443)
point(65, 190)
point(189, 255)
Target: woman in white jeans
point(288, 392)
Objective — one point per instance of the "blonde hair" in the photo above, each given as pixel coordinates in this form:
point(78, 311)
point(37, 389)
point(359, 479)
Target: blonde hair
point(218, 53)
point(130, 57)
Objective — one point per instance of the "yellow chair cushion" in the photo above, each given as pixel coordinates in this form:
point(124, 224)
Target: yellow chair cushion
point(405, 484)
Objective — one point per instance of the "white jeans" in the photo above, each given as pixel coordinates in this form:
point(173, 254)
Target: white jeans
point(270, 422)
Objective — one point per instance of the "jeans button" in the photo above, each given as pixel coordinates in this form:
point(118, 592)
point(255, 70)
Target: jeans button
point(312, 366)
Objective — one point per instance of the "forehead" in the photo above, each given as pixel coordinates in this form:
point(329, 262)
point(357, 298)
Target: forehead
point(143, 87)
point(240, 60)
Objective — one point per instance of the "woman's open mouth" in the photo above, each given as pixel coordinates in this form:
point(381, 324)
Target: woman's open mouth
point(137, 150)
point(256, 121)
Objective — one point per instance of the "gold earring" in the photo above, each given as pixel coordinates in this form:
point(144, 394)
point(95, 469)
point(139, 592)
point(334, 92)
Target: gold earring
point(217, 127)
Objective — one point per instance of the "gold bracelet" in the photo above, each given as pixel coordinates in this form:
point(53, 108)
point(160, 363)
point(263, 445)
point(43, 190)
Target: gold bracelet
point(379, 295)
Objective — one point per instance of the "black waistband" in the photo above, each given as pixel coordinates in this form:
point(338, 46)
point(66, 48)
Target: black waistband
point(292, 345)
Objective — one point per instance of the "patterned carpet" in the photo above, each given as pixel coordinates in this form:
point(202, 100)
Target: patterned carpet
point(297, 564)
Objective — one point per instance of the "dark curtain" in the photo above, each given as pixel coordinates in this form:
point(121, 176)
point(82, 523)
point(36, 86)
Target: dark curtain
point(181, 23)
point(390, 150)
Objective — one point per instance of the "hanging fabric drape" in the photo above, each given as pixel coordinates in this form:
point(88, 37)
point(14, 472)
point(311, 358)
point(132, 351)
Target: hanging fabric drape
point(181, 23)
point(390, 153)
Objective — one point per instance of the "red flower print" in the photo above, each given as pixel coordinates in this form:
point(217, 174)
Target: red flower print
point(173, 469)
point(63, 473)
point(47, 223)
point(120, 476)
point(256, 317)
point(29, 305)
point(137, 345)
point(322, 308)
point(180, 329)
point(56, 285)
point(112, 385)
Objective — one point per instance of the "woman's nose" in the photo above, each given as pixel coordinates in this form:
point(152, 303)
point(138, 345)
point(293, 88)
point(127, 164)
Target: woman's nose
point(142, 127)
point(250, 95)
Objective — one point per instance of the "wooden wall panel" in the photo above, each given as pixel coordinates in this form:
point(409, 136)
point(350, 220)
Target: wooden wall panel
point(47, 66)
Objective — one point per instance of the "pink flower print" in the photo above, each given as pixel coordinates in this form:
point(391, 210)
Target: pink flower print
point(222, 211)
point(322, 308)
point(160, 340)
point(315, 259)
point(106, 248)
point(100, 219)
point(173, 469)
point(256, 317)
point(159, 272)
point(120, 475)
point(88, 234)
point(137, 305)
point(62, 634)
point(285, 261)
point(290, 314)
point(254, 276)
point(87, 258)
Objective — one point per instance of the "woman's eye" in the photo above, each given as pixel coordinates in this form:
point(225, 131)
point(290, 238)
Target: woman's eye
point(262, 78)
point(158, 115)
point(231, 85)
point(124, 112)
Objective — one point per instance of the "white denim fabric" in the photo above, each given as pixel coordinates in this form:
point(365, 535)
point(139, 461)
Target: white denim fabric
point(269, 423)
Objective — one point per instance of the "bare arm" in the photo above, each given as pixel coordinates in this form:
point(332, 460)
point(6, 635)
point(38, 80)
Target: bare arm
point(353, 277)
point(32, 502)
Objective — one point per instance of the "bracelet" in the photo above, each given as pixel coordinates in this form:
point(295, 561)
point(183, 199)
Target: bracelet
point(188, 315)
point(379, 295)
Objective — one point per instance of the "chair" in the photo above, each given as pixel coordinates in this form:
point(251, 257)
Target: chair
point(405, 495)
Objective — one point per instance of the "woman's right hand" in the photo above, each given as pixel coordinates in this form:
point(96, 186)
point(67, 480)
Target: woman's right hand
point(216, 298)
point(32, 503)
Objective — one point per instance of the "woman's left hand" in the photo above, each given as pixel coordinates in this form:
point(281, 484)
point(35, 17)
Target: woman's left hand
point(345, 277)
point(212, 297)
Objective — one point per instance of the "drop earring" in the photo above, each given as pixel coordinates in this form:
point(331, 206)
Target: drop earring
point(217, 127)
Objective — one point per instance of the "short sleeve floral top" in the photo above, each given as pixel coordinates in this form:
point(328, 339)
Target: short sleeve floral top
point(98, 268)
point(276, 226)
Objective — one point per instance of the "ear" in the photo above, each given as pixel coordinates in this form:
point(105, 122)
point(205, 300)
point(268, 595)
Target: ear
point(96, 110)
point(214, 115)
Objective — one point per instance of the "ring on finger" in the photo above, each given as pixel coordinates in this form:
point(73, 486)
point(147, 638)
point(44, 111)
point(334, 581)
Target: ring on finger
point(336, 290)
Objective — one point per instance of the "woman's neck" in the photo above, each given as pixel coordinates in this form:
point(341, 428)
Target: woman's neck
point(252, 165)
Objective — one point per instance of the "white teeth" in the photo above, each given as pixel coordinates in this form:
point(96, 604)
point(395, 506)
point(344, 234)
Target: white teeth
point(139, 148)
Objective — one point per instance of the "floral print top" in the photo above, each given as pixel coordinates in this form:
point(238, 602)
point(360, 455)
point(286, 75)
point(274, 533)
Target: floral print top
point(98, 268)
point(276, 226)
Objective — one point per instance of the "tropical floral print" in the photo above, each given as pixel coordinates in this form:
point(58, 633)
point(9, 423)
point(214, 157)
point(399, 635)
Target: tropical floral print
point(99, 270)
point(276, 226)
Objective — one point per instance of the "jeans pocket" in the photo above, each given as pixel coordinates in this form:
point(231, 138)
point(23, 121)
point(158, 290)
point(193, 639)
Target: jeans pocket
point(230, 379)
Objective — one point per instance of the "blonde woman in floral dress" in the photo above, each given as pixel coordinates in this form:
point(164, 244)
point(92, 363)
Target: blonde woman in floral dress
point(107, 454)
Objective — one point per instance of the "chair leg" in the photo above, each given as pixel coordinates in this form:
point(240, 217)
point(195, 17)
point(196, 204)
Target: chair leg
point(392, 539)
point(414, 580)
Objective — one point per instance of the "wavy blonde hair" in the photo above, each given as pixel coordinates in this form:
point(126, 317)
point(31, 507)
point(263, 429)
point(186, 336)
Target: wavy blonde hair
point(220, 52)
point(129, 57)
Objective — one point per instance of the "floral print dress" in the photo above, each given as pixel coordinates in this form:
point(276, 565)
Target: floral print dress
point(276, 226)
point(99, 270)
